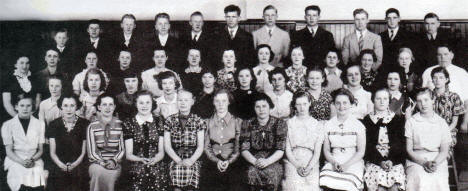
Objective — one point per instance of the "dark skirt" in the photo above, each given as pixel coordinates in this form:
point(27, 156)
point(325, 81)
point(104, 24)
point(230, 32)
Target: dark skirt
point(233, 179)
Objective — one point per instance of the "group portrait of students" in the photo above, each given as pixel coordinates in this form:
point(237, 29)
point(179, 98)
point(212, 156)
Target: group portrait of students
point(232, 110)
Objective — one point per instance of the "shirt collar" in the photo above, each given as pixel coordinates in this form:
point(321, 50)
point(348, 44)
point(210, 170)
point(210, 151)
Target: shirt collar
point(234, 30)
point(226, 118)
point(386, 119)
point(395, 31)
point(163, 100)
point(363, 33)
point(18, 74)
point(419, 118)
point(195, 33)
point(91, 40)
point(315, 28)
point(337, 71)
point(141, 121)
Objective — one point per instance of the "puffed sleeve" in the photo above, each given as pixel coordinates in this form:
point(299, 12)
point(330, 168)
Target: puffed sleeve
point(409, 128)
point(245, 135)
point(281, 133)
point(7, 135)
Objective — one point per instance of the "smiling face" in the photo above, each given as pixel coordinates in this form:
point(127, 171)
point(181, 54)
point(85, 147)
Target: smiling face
point(353, 74)
point(194, 57)
point(424, 102)
point(360, 21)
point(393, 20)
point(125, 58)
point(232, 19)
point(168, 85)
point(302, 106)
point(196, 22)
point(381, 100)
point(55, 87)
point(127, 25)
point(61, 39)
point(107, 106)
point(221, 102)
point(94, 30)
point(312, 17)
point(342, 105)
point(69, 107)
point(91, 60)
point(367, 62)
point(262, 109)
point(51, 58)
point(22, 64)
point(208, 80)
point(332, 59)
point(184, 101)
point(229, 58)
point(393, 81)
point(315, 80)
point(297, 56)
point(160, 58)
point(131, 84)
point(245, 77)
point(24, 108)
point(264, 55)
point(162, 26)
point(278, 82)
point(144, 104)
point(440, 80)
point(94, 82)
point(270, 16)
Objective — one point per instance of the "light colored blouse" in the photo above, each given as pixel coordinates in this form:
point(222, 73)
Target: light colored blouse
point(304, 132)
point(282, 104)
point(263, 83)
point(48, 111)
point(166, 107)
point(427, 133)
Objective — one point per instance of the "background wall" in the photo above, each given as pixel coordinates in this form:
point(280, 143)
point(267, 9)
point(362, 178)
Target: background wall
point(213, 9)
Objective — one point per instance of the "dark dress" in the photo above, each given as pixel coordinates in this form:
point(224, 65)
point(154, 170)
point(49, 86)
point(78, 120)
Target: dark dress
point(368, 79)
point(191, 81)
point(145, 144)
point(262, 142)
point(243, 104)
point(68, 149)
point(184, 130)
point(203, 106)
point(126, 106)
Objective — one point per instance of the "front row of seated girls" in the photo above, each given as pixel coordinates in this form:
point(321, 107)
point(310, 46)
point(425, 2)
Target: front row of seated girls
point(272, 153)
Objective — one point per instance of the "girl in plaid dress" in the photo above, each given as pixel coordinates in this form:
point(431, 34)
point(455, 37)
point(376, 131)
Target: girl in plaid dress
point(183, 141)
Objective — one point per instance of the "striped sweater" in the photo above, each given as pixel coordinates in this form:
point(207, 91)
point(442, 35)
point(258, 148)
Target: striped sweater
point(105, 141)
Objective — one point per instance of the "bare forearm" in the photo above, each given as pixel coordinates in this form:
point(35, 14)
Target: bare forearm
point(275, 157)
point(249, 157)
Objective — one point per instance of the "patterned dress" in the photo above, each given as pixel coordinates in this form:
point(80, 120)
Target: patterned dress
point(225, 80)
point(449, 105)
point(297, 79)
point(368, 79)
point(262, 142)
point(145, 144)
point(184, 131)
point(320, 108)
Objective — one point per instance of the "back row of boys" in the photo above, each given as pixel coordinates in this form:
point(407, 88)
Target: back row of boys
point(314, 40)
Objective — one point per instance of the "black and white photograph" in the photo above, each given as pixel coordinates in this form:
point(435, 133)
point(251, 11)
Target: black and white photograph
point(233, 95)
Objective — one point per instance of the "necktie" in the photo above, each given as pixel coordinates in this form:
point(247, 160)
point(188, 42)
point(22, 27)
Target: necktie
point(195, 38)
point(432, 37)
point(312, 32)
point(94, 44)
point(269, 32)
point(361, 41)
point(392, 33)
point(231, 33)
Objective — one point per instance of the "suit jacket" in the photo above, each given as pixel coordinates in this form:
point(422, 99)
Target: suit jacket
point(427, 49)
point(69, 59)
point(242, 44)
point(351, 50)
point(103, 51)
point(204, 44)
point(316, 47)
point(172, 48)
point(279, 42)
point(134, 47)
point(391, 48)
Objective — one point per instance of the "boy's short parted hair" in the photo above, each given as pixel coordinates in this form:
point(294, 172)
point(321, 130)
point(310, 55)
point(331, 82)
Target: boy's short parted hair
point(392, 10)
point(94, 21)
point(128, 16)
point(61, 30)
point(166, 75)
point(360, 11)
point(278, 70)
point(69, 95)
point(232, 8)
point(431, 15)
point(445, 45)
point(272, 54)
point(103, 85)
point(313, 8)
point(161, 16)
point(268, 7)
point(196, 13)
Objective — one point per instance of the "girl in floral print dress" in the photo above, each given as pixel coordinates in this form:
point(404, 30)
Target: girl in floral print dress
point(297, 71)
